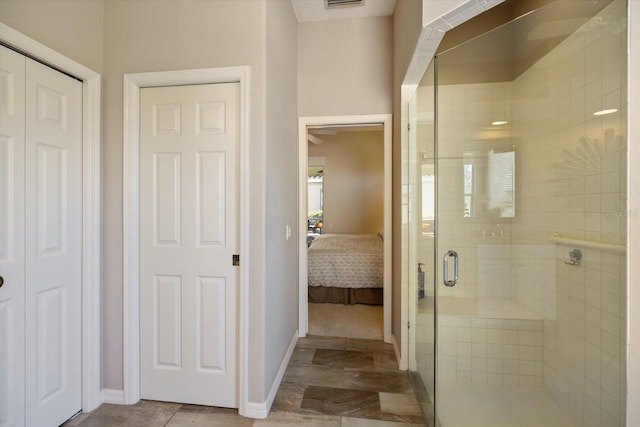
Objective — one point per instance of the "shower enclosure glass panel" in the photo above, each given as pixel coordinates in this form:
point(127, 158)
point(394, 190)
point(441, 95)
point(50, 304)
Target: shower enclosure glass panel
point(530, 154)
point(421, 226)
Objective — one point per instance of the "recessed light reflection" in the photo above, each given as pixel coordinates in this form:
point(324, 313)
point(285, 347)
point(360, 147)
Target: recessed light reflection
point(499, 123)
point(605, 112)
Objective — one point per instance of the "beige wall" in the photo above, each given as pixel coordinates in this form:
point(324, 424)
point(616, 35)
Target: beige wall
point(71, 27)
point(353, 181)
point(143, 36)
point(345, 67)
point(281, 287)
point(407, 23)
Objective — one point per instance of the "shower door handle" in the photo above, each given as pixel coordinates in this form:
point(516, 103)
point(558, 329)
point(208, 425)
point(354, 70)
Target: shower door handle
point(445, 268)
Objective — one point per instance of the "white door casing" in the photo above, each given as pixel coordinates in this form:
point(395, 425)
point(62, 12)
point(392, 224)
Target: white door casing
point(44, 193)
point(188, 234)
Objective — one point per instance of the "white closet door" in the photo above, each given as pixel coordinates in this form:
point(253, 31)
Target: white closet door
point(53, 255)
point(40, 243)
point(188, 235)
point(12, 263)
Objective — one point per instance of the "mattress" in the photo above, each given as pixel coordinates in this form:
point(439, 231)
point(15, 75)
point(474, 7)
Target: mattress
point(346, 261)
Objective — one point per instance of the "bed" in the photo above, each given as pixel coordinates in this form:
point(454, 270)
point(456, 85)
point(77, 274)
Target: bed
point(346, 269)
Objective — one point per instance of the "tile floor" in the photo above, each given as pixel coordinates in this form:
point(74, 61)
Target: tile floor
point(330, 382)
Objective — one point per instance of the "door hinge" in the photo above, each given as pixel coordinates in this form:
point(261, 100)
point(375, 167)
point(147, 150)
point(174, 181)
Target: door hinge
point(236, 260)
point(408, 325)
point(409, 127)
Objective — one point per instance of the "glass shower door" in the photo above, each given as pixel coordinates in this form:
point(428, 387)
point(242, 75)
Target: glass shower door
point(489, 342)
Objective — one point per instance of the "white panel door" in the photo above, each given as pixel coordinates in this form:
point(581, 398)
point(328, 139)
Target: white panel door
point(40, 243)
point(12, 264)
point(53, 240)
point(189, 139)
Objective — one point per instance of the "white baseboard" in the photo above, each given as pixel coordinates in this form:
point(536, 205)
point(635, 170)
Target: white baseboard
point(114, 397)
point(256, 410)
point(402, 364)
point(260, 410)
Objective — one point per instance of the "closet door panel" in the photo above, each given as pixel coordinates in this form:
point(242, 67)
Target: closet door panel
point(12, 244)
point(53, 245)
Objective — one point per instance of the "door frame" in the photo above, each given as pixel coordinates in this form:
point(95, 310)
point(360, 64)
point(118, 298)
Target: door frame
point(92, 395)
point(365, 119)
point(131, 223)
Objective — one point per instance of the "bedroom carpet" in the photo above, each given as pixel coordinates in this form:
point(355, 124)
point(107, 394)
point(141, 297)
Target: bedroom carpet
point(350, 321)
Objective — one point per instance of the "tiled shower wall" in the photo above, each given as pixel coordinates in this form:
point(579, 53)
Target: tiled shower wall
point(572, 176)
point(490, 351)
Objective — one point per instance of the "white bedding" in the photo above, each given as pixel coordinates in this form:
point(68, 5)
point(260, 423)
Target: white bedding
point(346, 261)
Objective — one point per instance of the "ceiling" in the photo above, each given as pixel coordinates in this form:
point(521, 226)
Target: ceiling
point(316, 10)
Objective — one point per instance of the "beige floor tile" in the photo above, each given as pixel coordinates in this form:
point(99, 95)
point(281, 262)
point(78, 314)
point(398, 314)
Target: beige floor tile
point(369, 345)
point(145, 413)
point(361, 422)
point(386, 380)
point(289, 397)
point(312, 341)
point(341, 401)
point(322, 376)
point(343, 358)
point(385, 360)
point(277, 419)
point(210, 419)
point(302, 355)
point(400, 404)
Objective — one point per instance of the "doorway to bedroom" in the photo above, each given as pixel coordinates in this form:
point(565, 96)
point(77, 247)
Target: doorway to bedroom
point(345, 200)
point(345, 217)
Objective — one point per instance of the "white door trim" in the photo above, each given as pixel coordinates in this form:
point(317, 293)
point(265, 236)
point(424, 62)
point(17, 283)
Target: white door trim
point(91, 207)
point(303, 124)
point(131, 225)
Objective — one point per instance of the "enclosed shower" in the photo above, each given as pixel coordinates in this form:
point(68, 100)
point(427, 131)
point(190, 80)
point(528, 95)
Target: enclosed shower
point(517, 225)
